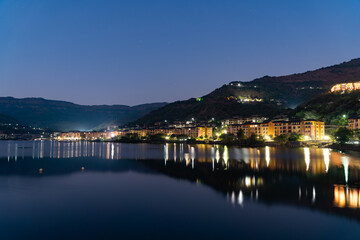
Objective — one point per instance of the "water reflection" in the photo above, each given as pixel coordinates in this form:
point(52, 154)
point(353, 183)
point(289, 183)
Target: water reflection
point(307, 158)
point(345, 196)
point(267, 155)
point(326, 153)
point(345, 162)
point(298, 176)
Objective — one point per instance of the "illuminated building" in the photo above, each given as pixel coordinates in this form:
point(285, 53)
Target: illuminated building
point(71, 136)
point(193, 132)
point(74, 136)
point(240, 120)
point(345, 87)
point(311, 129)
point(354, 123)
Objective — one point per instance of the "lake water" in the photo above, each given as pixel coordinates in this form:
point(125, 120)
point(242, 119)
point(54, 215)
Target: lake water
point(85, 190)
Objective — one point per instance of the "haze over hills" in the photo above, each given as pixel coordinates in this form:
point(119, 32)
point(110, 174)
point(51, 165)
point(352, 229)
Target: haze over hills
point(5, 119)
point(266, 96)
point(61, 115)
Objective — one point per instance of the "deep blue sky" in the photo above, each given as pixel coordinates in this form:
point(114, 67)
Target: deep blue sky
point(138, 51)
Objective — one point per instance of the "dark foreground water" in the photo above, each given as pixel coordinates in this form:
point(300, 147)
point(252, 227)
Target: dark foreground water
point(53, 190)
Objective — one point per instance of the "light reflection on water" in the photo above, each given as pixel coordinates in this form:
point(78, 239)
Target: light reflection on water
point(133, 179)
point(315, 161)
point(321, 163)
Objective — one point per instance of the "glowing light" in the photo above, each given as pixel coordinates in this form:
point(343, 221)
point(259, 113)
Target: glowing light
point(353, 198)
point(326, 137)
point(217, 155)
point(241, 199)
point(112, 151)
point(307, 138)
point(313, 195)
point(345, 162)
point(166, 153)
point(307, 158)
point(339, 196)
point(226, 156)
point(233, 197)
point(267, 156)
point(213, 157)
point(326, 153)
point(247, 181)
point(346, 197)
point(175, 152)
point(187, 158)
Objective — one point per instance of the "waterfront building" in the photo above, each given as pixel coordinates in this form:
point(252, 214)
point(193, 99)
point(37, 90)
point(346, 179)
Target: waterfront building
point(354, 123)
point(311, 129)
point(71, 136)
point(193, 132)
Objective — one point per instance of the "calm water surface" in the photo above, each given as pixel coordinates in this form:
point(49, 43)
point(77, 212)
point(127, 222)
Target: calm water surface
point(84, 190)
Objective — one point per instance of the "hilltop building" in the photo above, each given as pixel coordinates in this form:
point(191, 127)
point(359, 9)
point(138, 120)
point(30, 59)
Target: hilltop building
point(345, 87)
point(242, 120)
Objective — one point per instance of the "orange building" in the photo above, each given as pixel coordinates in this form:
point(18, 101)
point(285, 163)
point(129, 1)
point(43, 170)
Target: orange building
point(354, 123)
point(311, 129)
point(194, 132)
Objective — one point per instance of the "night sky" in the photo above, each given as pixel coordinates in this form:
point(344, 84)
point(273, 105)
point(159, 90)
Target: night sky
point(139, 51)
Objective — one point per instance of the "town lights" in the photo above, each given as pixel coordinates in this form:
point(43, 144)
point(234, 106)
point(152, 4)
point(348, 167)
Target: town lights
point(326, 137)
point(307, 138)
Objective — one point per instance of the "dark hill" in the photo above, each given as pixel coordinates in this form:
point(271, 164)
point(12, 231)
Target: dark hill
point(331, 107)
point(62, 115)
point(207, 108)
point(5, 119)
point(294, 89)
point(276, 93)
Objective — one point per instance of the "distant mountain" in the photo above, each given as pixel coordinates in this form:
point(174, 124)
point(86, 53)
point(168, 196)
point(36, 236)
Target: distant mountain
point(63, 115)
point(266, 96)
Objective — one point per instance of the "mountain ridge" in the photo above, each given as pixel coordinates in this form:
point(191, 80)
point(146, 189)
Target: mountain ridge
point(63, 115)
point(270, 95)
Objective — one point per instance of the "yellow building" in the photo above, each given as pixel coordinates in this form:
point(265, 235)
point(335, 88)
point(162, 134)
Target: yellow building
point(311, 129)
point(193, 132)
point(71, 136)
point(354, 123)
